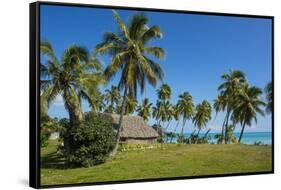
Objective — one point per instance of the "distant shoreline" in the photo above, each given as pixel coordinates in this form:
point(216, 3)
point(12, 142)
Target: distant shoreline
point(264, 138)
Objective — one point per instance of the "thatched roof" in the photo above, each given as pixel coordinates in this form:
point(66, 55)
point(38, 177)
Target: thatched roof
point(134, 127)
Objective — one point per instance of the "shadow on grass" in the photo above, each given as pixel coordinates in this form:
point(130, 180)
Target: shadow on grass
point(53, 160)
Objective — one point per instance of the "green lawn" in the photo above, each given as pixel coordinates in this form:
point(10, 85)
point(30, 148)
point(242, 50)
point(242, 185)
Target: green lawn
point(172, 161)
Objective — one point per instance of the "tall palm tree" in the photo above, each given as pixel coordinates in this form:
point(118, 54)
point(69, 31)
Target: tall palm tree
point(248, 105)
point(75, 77)
point(229, 90)
point(112, 97)
point(176, 115)
point(164, 94)
point(144, 110)
point(203, 115)
point(159, 113)
point(220, 105)
point(129, 49)
point(269, 95)
point(168, 113)
point(186, 108)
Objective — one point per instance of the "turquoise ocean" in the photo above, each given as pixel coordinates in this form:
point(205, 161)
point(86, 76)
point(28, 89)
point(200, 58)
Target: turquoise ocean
point(248, 137)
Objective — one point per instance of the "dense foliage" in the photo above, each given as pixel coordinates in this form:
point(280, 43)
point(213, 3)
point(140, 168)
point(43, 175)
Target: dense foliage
point(92, 142)
point(48, 126)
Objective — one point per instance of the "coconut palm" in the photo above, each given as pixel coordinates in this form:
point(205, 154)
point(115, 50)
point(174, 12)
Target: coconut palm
point(74, 77)
point(269, 95)
point(176, 116)
point(130, 50)
point(144, 110)
point(131, 105)
point(159, 113)
point(186, 108)
point(248, 105)
point(220, 105)
point(203, 115)
point(112, 97)
point(164, 92)
point(168, 113)
point(229, 90)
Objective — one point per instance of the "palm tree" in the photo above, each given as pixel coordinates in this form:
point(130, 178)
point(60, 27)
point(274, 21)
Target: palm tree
point(164, 92)
point(176, 115)
point(220, 105)
point(74, 77)
point(186, 108)
point(144, 110)
point(229, 90)
point(269, 95)
point(129, 49)
point(168, 113)
point(159, 113)
point(112, 97)
point(249, 103)
point(203, 115)
point(131, 105)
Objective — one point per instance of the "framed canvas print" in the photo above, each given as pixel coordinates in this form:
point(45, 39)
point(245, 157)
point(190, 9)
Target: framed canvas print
point(120, 94)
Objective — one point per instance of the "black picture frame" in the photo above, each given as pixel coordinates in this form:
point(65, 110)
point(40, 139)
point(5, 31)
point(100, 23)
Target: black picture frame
point(34, 91)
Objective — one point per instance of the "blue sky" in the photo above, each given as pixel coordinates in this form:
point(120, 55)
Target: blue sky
point(199, 49)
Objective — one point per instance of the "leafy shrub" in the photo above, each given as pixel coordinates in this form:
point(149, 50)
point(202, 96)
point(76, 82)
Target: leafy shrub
point(48, 126)
point(91, 142)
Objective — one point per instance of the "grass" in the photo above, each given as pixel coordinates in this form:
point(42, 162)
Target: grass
point(172, 161)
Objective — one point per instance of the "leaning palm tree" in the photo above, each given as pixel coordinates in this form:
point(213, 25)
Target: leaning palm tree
point(74, 77)
point(186, 108)
point(229, 90)
point(269, 95)
point(144, 110)
point(130, 52)
point(248, 105)
point(203, 115)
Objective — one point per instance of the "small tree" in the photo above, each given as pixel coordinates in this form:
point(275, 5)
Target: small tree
point(92, 142)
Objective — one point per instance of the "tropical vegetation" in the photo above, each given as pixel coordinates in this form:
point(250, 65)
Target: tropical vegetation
point(129, 50)
point(89, 138)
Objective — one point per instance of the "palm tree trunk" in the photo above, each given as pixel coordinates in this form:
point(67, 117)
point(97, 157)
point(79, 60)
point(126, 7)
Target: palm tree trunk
point(197, 136)
point(120, 128)
point(226, 126)
point(222, 130)
point(242, 131)
point(182, 131)
point(75, 118)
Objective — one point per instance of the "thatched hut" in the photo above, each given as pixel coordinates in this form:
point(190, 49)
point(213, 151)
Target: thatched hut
point(135, 130)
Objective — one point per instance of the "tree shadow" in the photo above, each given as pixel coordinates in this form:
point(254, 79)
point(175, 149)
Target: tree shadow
point(53, 160)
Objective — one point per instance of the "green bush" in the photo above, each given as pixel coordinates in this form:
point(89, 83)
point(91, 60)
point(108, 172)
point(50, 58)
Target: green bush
point(48, 126)
point(91, 142)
